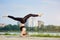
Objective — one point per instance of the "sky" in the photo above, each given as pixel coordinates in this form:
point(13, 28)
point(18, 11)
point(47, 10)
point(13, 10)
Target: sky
point(20, 8)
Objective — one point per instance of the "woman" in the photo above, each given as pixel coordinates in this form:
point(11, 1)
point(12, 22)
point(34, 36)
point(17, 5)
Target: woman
point(23, 21)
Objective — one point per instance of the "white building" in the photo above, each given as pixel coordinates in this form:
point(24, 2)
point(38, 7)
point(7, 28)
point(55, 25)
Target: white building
point(31, 22)
point(40, 23)
point(2, 24)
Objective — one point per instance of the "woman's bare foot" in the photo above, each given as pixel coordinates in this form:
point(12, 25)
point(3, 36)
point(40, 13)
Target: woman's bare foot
point(40, 14)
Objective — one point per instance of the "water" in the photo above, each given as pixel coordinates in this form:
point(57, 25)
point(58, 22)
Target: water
point(31, 33)
point(45, 33)
point(10, 32)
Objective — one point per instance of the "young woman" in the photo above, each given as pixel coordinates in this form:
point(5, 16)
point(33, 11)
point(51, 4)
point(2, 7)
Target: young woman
point(23, 21)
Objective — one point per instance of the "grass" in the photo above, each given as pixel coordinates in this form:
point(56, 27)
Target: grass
point(44, 35)
point(8, 34)
point(34, 35)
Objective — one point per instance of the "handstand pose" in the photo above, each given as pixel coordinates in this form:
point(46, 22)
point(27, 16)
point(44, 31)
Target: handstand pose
point(23, 21)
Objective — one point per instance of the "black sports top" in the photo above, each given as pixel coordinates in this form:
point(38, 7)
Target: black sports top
point(21, 28)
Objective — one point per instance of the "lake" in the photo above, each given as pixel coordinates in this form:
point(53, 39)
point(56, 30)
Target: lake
point(51, 33)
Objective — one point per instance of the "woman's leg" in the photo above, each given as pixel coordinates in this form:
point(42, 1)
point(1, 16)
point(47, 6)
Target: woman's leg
point(31, 15)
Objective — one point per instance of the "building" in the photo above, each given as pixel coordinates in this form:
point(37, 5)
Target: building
point(31, 22)
point(40, 23)
point(2, 24)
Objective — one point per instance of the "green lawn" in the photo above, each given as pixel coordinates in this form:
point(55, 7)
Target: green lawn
point(34, 35)
point(44, 35)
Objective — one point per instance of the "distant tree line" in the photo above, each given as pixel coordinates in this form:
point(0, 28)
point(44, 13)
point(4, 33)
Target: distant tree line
point(9, 28)
point(43, 28)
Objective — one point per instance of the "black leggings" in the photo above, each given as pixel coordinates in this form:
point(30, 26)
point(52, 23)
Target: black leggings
point(24, 19)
